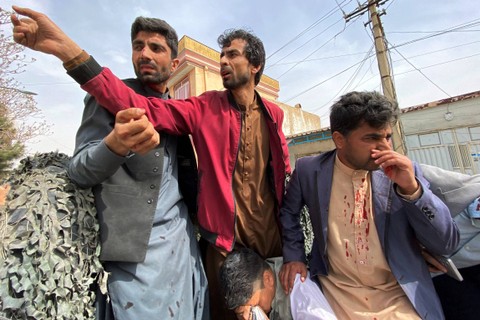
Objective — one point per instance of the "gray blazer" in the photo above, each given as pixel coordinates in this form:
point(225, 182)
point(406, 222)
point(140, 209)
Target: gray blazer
point(401, 225)
point(458, 191)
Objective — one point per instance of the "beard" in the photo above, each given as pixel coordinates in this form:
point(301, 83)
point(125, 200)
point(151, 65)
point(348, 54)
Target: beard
point(160, 76)
point(236, 82)
point(353, 162)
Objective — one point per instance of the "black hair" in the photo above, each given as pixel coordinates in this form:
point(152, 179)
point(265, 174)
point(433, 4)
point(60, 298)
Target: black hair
point(254, 50)
point(355, 108)
point(157, 26)
point(239, 274)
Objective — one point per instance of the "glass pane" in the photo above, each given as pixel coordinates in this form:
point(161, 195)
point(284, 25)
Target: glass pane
point(475, 133)
point(447, 137)
point(462, 135)
point(412, 141)
point(429, 139)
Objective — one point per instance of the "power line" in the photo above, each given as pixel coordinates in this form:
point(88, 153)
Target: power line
point(470, 24)
point(368, 56)
point(364, 52)
point(303, 44)
point(396, 74)
point(322, 58)
point(437, 33)
point(347, 85)
point(423, 68)
point(374, 76)
point(423, 74)
point(309, 55)
point(440, 50)
point(409, 32)
point(327, 15)
point(325, 43)
point(325, 80)
point(441, 63)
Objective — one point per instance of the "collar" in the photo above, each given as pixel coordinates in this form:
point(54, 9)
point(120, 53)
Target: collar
point(150, 92)
point(252, 106)
point(349, 171)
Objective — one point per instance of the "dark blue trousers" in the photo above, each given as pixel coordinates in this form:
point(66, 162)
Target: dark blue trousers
point(460, 299)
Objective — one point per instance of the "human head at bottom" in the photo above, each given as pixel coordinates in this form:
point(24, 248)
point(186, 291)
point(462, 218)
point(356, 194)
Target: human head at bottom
point(246, 281)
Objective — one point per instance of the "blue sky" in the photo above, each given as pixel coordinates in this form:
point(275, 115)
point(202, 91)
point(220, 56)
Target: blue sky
point(435, 55)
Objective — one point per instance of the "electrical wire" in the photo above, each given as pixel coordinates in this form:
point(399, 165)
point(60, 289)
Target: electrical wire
point(327, 15)
point(456, 28)
point(423, 74)
point(303, 44)
point(313, 52)
point(325, 80)
point(358, 53)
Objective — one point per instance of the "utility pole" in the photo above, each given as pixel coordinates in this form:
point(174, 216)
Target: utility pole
point(388, 88)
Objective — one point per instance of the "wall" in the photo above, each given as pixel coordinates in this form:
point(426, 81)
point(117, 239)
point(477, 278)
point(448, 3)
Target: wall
point(445, 133)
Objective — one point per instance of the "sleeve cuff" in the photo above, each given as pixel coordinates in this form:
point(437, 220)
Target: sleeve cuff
point(411, 197)
point(85, 71)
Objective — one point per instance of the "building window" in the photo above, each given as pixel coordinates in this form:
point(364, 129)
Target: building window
point(463, 136)
point(429, 139)
point(447, 137)
point(454, 157)
point(466, 157)
point(475, 133)
point(412, 141)
point(182, 89)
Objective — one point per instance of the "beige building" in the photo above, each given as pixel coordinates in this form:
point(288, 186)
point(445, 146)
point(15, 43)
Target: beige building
point(309, 144)
point(199, 71)
point(445, 133)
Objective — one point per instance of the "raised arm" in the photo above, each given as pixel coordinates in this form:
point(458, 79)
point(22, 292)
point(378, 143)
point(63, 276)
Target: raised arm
point(39, 33)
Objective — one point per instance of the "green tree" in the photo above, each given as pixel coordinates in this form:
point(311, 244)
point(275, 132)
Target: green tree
point(20, 118)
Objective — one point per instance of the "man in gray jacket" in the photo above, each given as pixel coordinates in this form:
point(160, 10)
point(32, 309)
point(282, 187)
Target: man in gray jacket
point(147, 239)
point(461, 193)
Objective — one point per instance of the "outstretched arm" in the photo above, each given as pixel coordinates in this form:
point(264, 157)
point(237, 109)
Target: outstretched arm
point(39, 33)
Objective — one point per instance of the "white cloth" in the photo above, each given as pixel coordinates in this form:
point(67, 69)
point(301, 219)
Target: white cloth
point(308, 302)
point(258, 314)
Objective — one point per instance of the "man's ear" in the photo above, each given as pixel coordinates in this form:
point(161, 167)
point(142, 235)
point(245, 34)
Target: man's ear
point(268, 279)
point(338, 139)
point(255, 69)
point(174, 65)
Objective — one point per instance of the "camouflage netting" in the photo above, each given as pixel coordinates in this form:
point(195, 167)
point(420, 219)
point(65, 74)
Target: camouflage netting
point(306, 226)
point(307, 230)
point(49, 244)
